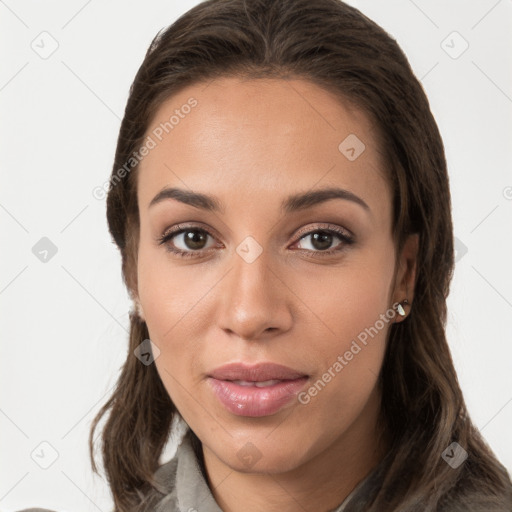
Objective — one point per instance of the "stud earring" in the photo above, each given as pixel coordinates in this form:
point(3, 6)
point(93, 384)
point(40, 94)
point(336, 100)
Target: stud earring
point(400, 309)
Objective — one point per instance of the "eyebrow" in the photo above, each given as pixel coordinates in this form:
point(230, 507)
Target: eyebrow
point(295, 202)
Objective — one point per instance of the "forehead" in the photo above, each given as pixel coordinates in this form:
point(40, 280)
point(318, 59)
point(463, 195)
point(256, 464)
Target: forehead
point(261, 136)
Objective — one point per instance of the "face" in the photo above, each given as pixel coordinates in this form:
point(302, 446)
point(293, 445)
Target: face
point(270, 309)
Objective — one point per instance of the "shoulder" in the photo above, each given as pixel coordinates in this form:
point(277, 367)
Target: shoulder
point(476, 491)
point(162, 497)
point(35, 510)
point(165, 476)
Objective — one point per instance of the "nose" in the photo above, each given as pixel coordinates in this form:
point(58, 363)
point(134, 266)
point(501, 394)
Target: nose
point(255, 300)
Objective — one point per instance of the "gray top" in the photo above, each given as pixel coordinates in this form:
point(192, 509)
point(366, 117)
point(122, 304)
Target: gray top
point(184, 488)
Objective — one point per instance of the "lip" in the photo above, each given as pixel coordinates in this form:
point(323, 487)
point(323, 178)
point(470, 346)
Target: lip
point(250, 400)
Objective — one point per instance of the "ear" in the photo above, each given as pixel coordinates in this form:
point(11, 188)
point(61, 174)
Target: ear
point(138, 309)
point(130, 275)
point(405, 278)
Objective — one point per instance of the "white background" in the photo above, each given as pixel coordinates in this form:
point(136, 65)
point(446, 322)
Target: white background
point(64, 322)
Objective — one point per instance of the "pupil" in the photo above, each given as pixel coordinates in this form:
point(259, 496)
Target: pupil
point(193, 239)
point(322, 240)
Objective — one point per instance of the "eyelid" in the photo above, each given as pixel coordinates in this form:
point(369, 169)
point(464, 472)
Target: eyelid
point(325, 226)
point(179, 228)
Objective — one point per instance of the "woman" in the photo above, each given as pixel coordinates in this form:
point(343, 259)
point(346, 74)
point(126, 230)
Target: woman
point(281, 202)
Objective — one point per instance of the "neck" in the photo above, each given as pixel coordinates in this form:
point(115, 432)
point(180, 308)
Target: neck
point(321, 483)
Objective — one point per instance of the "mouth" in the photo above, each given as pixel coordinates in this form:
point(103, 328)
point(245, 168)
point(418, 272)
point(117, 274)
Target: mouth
point(255, 390)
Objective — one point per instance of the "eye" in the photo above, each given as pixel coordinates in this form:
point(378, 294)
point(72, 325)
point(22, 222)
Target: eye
point(186, 241)
point(192, 241)
point(321, 240)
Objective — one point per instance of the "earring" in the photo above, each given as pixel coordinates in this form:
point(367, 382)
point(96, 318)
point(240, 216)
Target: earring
point(138, 309)
point(400, 309)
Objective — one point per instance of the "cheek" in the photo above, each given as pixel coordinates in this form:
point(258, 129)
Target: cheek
point(171, 302)
point(354, 299)
point(163, 295)
point(175, 302)
point(355, 315)
point(167, 293)
point(348, 362)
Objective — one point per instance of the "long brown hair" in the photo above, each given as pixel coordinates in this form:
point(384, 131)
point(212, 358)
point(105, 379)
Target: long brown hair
point(336, 47)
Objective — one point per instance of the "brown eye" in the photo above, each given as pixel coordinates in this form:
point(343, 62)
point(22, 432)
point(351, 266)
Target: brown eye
point(186, 241)
point(195, 239)
point(321, 240)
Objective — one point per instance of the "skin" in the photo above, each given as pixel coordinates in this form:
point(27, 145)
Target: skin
point(252, 143)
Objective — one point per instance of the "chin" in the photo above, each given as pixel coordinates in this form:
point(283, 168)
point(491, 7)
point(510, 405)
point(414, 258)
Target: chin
point(260, 456)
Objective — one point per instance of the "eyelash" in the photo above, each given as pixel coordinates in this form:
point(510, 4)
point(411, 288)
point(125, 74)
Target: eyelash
point(342, 234)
